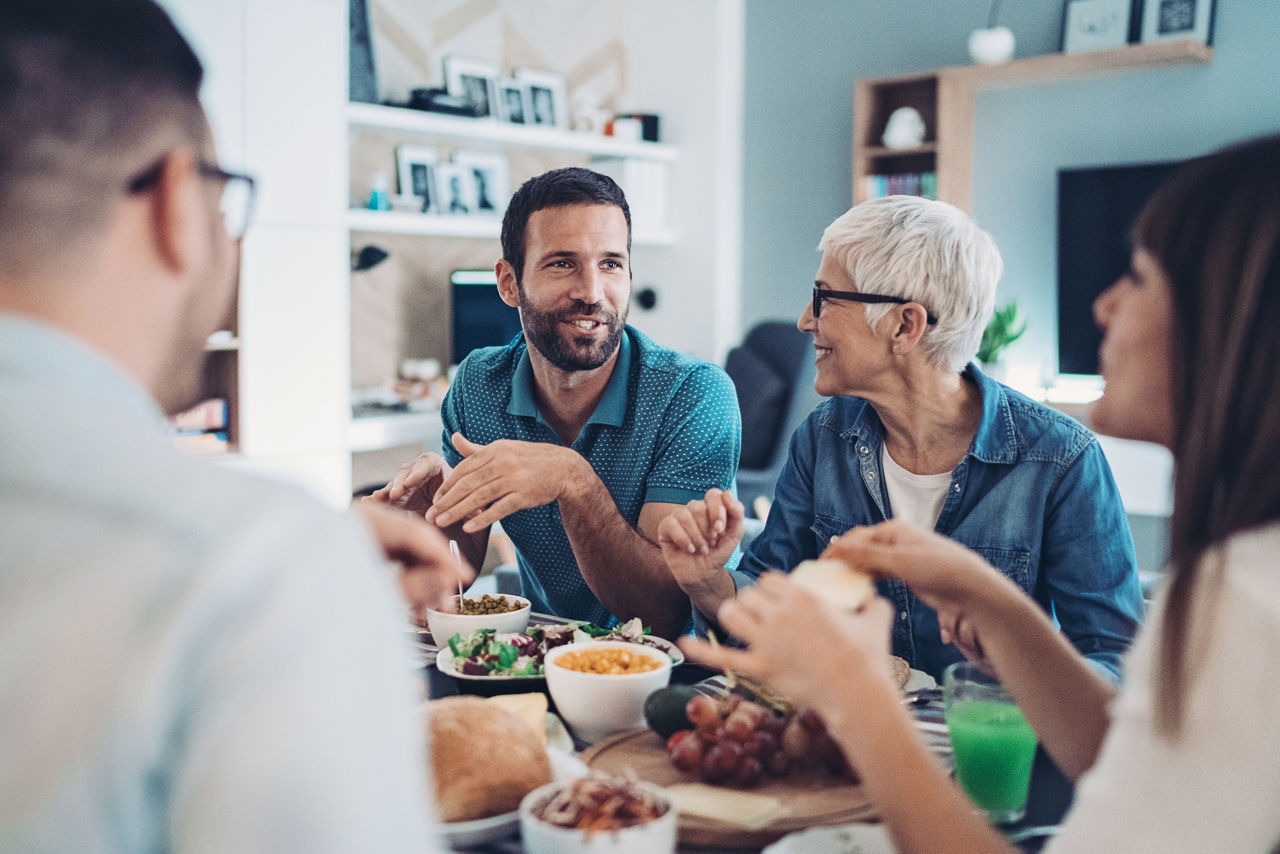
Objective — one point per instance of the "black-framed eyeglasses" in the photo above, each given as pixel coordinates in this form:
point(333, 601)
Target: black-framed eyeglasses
point(238, 192)
point(820, 294)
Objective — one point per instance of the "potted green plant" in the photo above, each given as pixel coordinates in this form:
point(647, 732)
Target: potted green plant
point(1005, 327)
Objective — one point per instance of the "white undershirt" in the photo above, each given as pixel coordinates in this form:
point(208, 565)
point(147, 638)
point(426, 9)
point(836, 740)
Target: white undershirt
point(915, 498)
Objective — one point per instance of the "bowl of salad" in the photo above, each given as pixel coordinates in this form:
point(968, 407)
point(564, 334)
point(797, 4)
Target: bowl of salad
point(501, 662)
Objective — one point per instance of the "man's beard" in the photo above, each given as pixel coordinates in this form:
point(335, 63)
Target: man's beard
point(550, 335)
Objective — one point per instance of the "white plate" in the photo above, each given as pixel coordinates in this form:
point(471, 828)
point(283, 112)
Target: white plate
point(444, 661)
point(564, 765)
point(461, 834)
point(837, 839)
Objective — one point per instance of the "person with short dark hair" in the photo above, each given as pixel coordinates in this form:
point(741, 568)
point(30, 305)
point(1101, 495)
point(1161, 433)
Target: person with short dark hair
point(1183, 757)
point(581, 434)
point(193, 659)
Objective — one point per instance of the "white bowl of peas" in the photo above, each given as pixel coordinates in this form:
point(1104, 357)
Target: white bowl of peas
point(476, 611)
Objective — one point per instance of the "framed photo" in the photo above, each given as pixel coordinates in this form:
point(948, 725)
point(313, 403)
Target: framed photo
point(488, 178)
point(416, 167)
point(548, 106)
point(513, 97)
point(1164, 20)
point(1095, 24)
point(475, 80)
point(457, 189)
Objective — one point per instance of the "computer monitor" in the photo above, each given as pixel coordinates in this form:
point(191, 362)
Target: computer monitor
point(480, 317)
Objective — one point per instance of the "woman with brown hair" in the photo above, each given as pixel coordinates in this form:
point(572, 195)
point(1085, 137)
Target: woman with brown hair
point(1184, 757)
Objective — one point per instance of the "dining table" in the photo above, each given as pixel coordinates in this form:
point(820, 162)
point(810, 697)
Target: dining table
point(1050, 793)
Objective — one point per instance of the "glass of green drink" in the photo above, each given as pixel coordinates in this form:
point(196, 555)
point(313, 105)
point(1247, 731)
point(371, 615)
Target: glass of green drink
point(992, 743)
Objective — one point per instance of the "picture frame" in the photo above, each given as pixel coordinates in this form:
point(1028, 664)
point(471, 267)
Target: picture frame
point(513, 98)
point(1095, 24)
point(416, 172)
point(474, 79)
point(548, 105)
point(1167, 20)
point(456, 187)
point(489, 178)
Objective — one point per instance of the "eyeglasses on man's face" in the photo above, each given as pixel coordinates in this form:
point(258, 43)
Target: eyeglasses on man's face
point(238, 192)
point(820, 294)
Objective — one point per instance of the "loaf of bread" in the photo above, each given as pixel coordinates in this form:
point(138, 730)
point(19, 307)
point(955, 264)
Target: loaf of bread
point(483, 758)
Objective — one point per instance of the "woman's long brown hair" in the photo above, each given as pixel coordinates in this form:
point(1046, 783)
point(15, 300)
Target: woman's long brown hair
point(1215, 229)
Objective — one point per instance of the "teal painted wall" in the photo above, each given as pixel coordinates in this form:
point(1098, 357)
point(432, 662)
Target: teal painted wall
point(802, 57)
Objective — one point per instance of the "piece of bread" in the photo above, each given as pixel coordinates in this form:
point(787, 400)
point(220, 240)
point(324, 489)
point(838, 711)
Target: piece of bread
point(900, 669)
point(483, 758)
point(530, 708)
point(839, 584)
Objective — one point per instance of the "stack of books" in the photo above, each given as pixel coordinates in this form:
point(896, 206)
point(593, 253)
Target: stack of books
point(201, 429)
point(902, 184)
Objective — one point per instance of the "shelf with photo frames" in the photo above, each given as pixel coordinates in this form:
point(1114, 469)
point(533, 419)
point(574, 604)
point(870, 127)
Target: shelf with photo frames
point(443, 225)
point(497, 134)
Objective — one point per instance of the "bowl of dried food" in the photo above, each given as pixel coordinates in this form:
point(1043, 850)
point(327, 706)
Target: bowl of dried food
point(476, 611)
point(598, 814)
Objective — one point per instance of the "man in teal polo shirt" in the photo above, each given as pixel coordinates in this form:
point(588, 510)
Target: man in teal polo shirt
point(582, 434)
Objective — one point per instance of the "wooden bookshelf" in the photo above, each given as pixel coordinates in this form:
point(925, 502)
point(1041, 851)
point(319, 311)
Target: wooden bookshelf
point(945, 100)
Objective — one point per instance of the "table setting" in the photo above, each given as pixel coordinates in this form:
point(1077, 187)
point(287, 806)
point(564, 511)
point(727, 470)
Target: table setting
point(606, 707)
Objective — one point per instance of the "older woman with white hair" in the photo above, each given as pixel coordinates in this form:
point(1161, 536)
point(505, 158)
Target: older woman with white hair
point(913, 430)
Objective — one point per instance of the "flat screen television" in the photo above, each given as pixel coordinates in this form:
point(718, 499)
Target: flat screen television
point(1096, 208)
point(480, 317)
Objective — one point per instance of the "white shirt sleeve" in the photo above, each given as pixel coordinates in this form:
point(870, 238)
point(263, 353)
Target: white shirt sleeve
point(1216, 785)
point(300, 729)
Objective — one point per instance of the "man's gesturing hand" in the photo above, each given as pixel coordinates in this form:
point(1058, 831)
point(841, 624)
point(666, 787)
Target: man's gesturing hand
point(416, 484)
point(495, 480)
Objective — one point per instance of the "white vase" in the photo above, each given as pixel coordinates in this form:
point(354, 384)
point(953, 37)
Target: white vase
point(992, 46)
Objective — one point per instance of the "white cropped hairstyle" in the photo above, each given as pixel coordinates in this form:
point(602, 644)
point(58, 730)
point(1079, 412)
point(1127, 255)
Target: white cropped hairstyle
point(929, 252)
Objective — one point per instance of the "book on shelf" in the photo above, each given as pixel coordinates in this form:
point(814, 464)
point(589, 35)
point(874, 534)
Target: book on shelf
point(902, 184)
point(205, 415)
point(200, 442)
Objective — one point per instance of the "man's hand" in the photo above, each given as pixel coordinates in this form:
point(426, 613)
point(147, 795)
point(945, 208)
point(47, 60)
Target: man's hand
point(415, 486)
point(699, 538)
point(495, 480)
point(797, 644)
point(431, 573)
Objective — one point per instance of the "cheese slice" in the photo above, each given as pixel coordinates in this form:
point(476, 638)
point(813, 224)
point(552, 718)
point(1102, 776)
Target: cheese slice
point(530, 708)
point(741, 809)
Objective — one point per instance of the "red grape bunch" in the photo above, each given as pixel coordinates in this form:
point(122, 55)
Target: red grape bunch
point(736, 742)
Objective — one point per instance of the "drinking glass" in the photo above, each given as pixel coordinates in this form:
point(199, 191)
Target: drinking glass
point(992, 743)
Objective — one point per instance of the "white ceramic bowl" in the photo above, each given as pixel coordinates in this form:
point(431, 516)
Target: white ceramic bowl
point(445, 626)
point(652, 837)
point(595, 705)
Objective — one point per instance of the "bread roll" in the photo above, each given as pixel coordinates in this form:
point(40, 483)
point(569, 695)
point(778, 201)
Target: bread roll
point(839, 584)
point(483, 758)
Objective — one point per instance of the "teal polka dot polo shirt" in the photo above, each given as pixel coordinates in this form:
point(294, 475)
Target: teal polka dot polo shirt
point(667, 429)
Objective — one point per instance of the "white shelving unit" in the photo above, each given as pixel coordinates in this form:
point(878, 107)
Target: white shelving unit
point(497, 134)
point(398, 222)
point(376, 432)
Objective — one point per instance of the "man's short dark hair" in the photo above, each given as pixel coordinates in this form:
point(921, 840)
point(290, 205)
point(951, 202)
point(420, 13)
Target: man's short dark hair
point(556, 189)
point(88, 90)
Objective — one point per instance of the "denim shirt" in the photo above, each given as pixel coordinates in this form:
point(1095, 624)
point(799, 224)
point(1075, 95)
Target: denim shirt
point(1034, 496)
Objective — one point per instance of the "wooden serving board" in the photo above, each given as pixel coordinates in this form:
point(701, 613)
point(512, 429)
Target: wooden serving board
point(811, 798)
